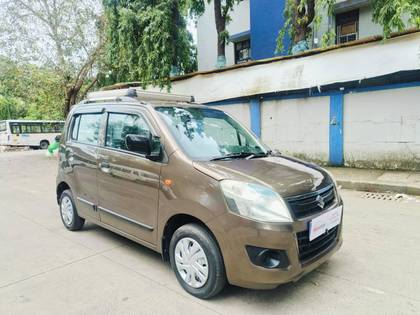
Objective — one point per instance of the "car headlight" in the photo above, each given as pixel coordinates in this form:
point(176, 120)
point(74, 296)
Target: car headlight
point(255, 201)
point(336, 187)
point(331, 176)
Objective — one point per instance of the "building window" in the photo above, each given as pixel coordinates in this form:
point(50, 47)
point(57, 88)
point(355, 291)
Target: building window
point(242, 51)
point(347, 26)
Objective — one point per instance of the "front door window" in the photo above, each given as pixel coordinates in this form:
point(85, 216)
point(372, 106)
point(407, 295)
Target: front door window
point(121, 125)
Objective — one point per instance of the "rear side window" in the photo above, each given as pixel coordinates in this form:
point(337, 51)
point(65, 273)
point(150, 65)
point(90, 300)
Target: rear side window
point(121, 125)
point(52, 127)
point(86, 128)
point(2, 126)
point(30, 128)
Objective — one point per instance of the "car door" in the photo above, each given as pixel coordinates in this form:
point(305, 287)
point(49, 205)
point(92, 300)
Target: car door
point(128, 182)
point(81, 156)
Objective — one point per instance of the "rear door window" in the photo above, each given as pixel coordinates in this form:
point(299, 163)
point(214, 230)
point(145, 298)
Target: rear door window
point(86, 128)
point(56, 127)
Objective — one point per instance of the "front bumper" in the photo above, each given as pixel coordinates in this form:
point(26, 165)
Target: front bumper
point(234, 233)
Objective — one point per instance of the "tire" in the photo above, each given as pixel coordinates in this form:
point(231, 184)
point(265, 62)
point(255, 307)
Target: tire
point(198, 285)
point(68, 212)
point(43, 145)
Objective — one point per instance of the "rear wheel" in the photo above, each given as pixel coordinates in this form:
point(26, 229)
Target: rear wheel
point(68, 212)
point(197, 261)
point(44, 144)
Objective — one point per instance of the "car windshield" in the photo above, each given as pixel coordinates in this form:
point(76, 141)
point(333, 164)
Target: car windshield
point(209, 134)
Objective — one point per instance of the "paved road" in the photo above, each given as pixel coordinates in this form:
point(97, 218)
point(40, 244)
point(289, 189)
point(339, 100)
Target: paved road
point(45, 269)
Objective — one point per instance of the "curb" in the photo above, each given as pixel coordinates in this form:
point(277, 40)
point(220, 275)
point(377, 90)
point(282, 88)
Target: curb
point(379, 187)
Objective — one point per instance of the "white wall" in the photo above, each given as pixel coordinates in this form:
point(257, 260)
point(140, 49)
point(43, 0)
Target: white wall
point(207, 36)
point(382, 128)
point(338, 65)
point(297, 126)
point(366, 26)
point(238, 111)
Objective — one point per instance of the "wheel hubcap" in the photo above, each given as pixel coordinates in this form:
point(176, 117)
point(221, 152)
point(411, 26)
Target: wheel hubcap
point(67, 212)
point(191, 262)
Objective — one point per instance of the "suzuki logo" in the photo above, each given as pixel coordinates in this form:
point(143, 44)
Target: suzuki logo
point(320, 201)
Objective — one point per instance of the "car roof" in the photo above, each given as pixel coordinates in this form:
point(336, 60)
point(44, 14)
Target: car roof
point(127, 101)
point(31, 121)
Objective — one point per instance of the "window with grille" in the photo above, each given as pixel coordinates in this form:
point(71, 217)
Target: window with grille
point(347, 26)
point(242, 51)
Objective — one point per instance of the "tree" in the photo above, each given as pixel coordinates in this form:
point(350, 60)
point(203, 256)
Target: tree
point(390, 14)
point(147, 41)
point(302, 16)
point(29, 91)
point(222, 17)
point(63, 35)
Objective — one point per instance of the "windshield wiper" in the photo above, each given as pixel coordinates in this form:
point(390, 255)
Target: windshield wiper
point(240, 155)
point(259, 155)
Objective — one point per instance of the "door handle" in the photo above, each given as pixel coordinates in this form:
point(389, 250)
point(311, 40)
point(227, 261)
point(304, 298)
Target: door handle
point(105, 167)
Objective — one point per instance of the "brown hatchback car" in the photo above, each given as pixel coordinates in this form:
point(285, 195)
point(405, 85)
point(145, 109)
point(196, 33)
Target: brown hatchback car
point(193, 184)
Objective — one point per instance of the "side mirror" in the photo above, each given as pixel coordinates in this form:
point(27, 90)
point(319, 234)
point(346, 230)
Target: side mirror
point(138, 144)
point(156, 149)
point(150, 145)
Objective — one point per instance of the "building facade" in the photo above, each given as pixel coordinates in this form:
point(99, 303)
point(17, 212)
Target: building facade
point(355, 104)
point(255, 26)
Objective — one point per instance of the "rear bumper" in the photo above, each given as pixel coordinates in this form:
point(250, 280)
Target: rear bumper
point(238, 232)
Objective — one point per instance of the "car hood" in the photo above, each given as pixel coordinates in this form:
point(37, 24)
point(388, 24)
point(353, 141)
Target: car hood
point(288, 176)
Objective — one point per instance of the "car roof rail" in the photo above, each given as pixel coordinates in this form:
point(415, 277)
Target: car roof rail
point(136, 95)
point(109, 99)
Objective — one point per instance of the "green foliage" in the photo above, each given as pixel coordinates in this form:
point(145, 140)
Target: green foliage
point(197, 8)
point(29, 92)
point(12, 108)
point(292, 22)
point(391, 14)
point(146, 40)
point(64, 36)
point(328, 38)
point(287, 28)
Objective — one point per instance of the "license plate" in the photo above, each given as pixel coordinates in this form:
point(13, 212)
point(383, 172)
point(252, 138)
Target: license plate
point(324, 222)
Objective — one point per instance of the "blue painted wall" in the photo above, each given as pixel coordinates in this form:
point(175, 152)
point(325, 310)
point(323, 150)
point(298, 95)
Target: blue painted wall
point(255, 116)
point(266, 21)
point(336, 129)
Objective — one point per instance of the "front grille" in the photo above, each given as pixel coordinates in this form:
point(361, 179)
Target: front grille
point(307, 204)
point(308, 250)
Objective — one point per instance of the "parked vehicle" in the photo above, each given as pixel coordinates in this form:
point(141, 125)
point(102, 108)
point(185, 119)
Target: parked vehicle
point(193, 184)
point(31, 133)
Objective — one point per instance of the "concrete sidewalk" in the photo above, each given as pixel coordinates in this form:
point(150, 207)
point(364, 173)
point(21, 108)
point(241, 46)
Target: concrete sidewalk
point(404, 182)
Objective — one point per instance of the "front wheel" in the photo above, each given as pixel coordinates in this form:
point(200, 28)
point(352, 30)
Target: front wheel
point(197, 261)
